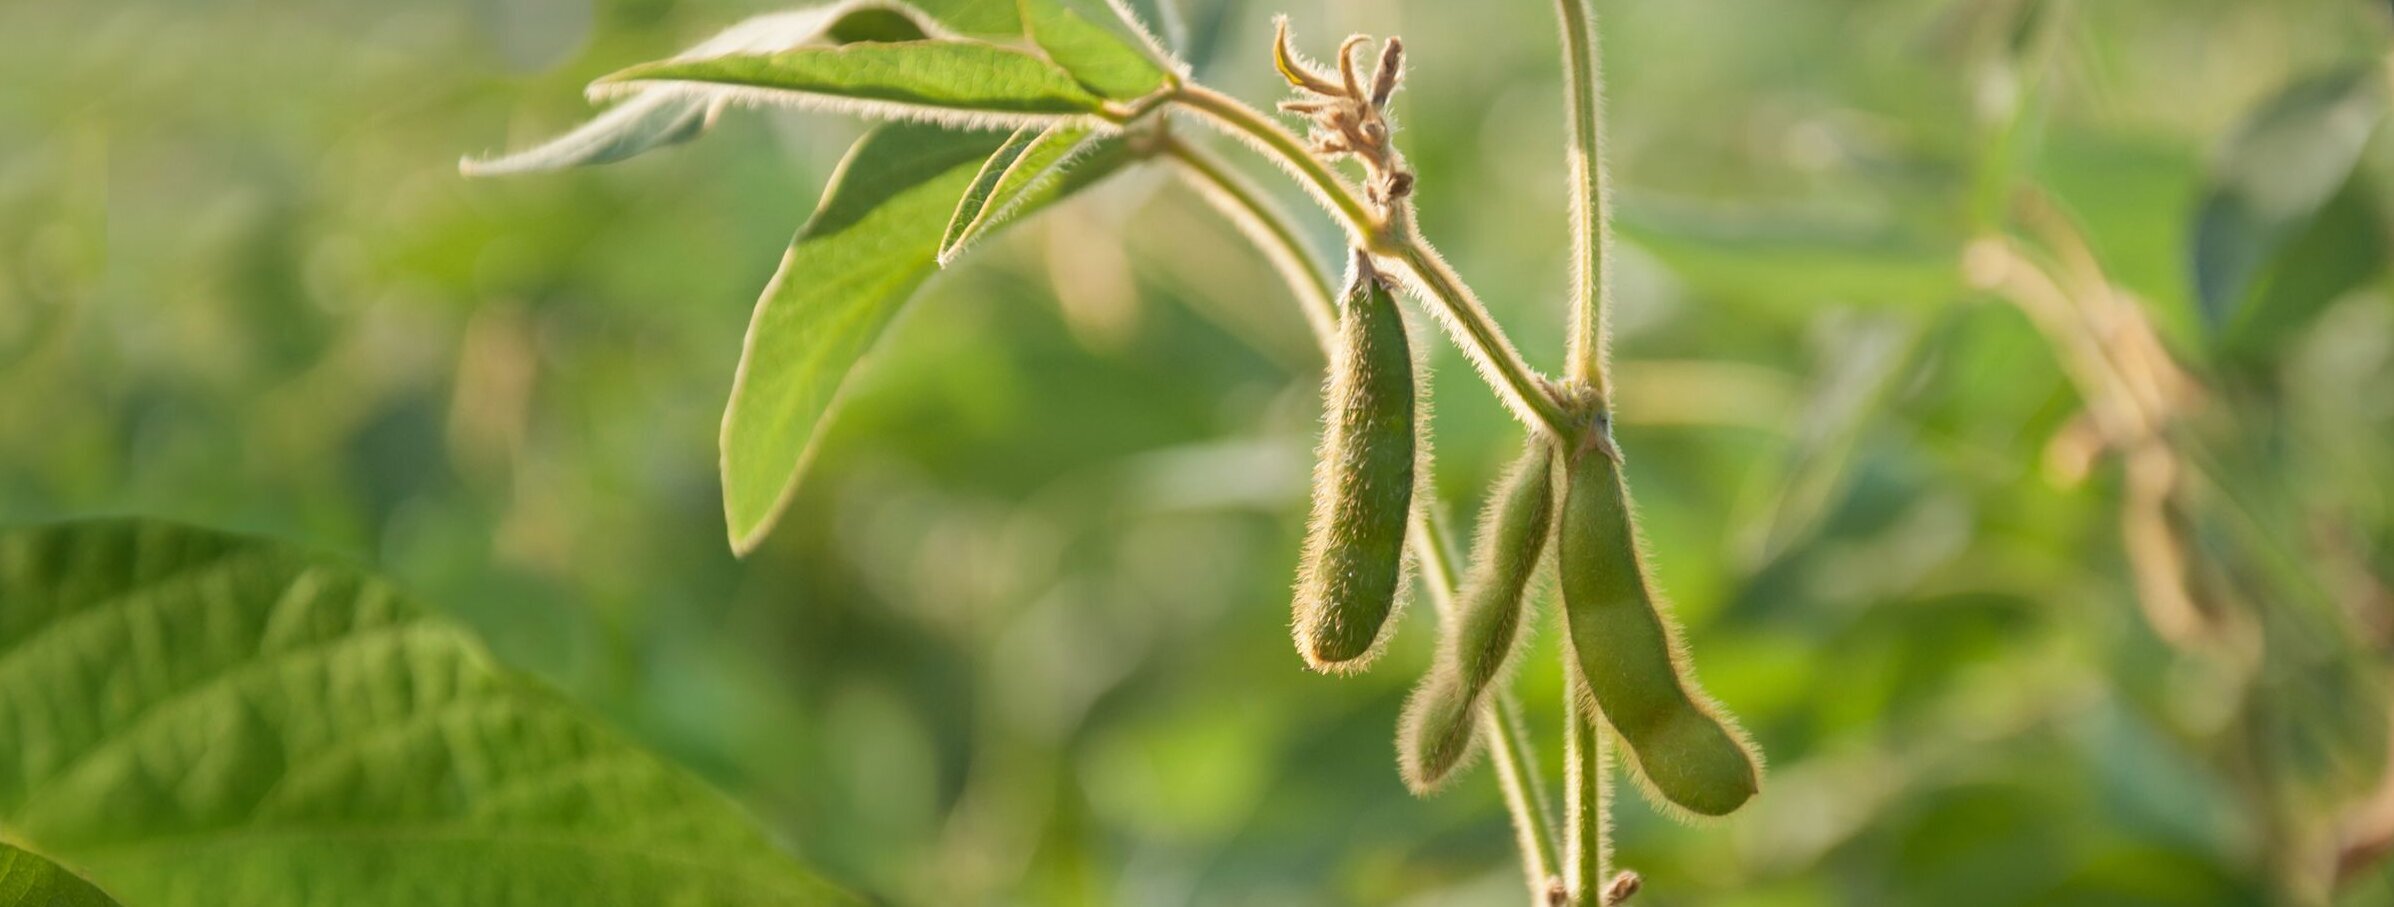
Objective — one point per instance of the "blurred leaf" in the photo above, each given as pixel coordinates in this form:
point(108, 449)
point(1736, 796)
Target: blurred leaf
point(1190, 29)
point(2282, 165)
point(27, 880)
point(1029, 161)
point(649, 119)
point(872, 241)
point(1772, 256)
point(1093, 42)
point(2341, 249)
point(959, 82)
point(203, 718)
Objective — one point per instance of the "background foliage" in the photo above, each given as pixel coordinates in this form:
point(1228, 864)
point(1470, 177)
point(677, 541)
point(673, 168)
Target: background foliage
point(1020, 638)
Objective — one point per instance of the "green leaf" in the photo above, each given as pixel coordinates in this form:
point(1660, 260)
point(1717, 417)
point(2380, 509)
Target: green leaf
point(197, 718)
point(871, 243)
point(952, 81)
point(1030, 160)
point(1191, 30)
point(1794, 259)
point(993, 170)
point(995, 18)
point(2343, 248)
point(646, 120)
point(2280, 168)
point(1093, 41)
point(28, 880)
point(635, 126)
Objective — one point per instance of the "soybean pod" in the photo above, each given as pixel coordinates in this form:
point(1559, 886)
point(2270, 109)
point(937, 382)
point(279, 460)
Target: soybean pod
point(1687, 751)
point(1362, 485)
point(1435, 734)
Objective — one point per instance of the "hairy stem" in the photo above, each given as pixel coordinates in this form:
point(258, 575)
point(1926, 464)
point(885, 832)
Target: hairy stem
point(1522, 388)
point(1591, 201)
point(1588, 799)
point(1586, 850)
point(1466, 320)
point(1265, 225)
point(1285, 148)
point(1269, 228)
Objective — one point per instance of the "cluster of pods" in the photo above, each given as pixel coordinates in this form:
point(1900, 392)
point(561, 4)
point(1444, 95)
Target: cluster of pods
point(1631, 668)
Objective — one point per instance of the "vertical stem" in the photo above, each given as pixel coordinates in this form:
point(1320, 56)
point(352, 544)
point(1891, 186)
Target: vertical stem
point(1525, 797)
point(1587, 849)
point(1588, 797)
point(1591, 198)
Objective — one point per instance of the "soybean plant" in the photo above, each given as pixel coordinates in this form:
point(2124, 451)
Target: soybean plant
point(993, 109)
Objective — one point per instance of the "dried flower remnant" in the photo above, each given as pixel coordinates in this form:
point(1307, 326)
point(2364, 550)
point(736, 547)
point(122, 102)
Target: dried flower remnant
point(1350, 114)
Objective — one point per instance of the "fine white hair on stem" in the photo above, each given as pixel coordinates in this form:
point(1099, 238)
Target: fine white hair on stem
point(1288, 163)
point(1422, 287)
point(1591, 198)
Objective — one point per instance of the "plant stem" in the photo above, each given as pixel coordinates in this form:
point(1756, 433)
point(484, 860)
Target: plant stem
point(1586, 851)
point(1588, 796)
point(1268, 227)
point(1516, 771)
point(1591, 198)
point(1466, 320)
point(1283, 147)
point(1478, 334)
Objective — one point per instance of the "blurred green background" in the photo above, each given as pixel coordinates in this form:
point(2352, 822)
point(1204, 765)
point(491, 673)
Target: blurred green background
point(1021, 638)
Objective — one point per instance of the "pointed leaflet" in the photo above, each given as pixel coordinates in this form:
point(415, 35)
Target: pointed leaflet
point(2282, 166)
point(28, 880)
point(1028, 162)
point(954, 81)
point(872, 241)
point(650, 119)
point(1098, 45)
point(198, 718)
point(976, 195)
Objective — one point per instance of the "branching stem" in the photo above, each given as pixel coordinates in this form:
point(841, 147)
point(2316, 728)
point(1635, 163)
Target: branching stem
point(1523, 390)
point(1369, 231)
point(1516, 767)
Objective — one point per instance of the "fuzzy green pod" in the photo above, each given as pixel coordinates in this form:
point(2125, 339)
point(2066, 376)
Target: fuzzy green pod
point(1362, 484)
point(1435, 733)
point(1685, 748)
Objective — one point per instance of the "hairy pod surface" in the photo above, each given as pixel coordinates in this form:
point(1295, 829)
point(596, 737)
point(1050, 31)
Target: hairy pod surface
point(1688, 753)
point(1436, 731)
point(1362, 484)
